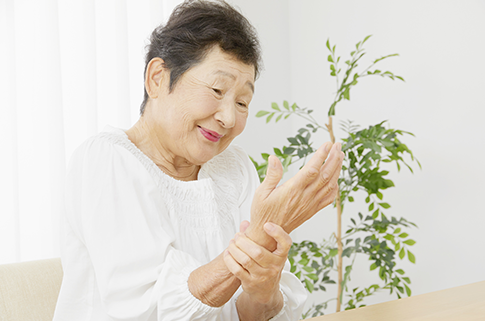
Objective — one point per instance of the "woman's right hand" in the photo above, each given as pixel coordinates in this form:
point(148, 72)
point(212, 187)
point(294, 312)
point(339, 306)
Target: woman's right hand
point(297, 200)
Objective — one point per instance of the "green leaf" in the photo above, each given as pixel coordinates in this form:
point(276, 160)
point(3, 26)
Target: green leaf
point(371, 207)
point(328, 44)
point(278, 118)
point(286, 105)
point(366, 38)
point(261, 113)
point(309, 285)
point(294, 106)
point(389, 237)
point(312, 276)
point(375, 214)
point(303, 262)
point(330, 59)
point(407, 280)
point(293, 141)
point(400, 271)
point(298, 274)
point(382, 58)
point(289, 150)
point(410, 242)
point(402, 253)
point(308, 268)
point(385, 205)
point(347, 93)
point(351, 199)
point(373, 267)
point(403, 235)
point(379, 195)
point(333, 252)
point(397, 230)
point(331, 111)
point(275, 106)
point(411, 257)
point(408, 290)
point(269, 117)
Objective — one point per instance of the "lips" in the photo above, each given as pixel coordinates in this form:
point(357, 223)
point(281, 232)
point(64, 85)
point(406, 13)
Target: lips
point(209, 134)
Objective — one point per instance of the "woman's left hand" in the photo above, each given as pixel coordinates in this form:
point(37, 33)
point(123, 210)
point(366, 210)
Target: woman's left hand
point(258, 269)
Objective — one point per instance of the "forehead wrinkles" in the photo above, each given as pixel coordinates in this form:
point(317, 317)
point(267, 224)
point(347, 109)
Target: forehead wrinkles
point(229, 75)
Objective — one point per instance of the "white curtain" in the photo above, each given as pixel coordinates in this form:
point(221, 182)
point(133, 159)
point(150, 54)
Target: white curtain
point(67, 69)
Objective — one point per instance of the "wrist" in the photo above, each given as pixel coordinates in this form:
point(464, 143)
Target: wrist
point(251, 308)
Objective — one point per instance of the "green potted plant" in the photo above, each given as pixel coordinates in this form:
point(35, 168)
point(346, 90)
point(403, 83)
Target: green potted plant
point(370, 232)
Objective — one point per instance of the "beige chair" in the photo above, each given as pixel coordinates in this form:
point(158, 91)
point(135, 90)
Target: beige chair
point(29, 290)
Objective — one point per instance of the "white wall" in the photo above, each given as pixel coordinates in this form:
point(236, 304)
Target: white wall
point(441, 46)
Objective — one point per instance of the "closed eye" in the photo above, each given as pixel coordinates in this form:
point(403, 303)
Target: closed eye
point(242, 104)
point(217, 91)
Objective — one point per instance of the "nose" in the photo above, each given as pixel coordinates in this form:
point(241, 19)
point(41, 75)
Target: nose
point(226, 114)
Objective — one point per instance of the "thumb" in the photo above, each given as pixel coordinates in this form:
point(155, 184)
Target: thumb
point(243, 226)
point(274, 174)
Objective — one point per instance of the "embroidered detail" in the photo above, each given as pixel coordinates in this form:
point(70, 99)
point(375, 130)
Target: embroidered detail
point(204, 205)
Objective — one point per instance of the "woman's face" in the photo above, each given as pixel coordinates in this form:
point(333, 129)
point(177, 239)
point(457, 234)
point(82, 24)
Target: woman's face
point(207, 108)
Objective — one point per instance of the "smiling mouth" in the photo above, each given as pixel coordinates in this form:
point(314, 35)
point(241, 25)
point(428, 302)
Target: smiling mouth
point(209, 134)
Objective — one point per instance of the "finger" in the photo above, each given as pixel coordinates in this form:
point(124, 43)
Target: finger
point(310, 171)
point(282, 239)
point(243, 226)
point(242, 258)
point(257, 253)
point(274, 174)
point(328, 193)
point(332, 167)
point(234, 267)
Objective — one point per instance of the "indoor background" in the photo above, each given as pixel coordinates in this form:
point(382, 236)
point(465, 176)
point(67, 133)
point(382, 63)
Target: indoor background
point(69, 68)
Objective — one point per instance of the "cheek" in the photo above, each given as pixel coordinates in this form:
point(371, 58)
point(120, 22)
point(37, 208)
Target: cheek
point(241, 123)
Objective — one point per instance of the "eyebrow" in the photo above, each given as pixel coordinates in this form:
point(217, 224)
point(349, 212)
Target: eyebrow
point(227, 74)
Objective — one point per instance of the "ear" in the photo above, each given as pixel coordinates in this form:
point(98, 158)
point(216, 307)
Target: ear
point(155, 77)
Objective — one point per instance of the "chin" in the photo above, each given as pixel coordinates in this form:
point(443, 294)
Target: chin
point(205, 156)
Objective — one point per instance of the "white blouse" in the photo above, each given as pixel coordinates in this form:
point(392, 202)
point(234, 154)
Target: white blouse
point(132, 234)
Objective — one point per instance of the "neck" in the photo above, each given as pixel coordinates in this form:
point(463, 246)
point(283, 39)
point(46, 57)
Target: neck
point(146, 139)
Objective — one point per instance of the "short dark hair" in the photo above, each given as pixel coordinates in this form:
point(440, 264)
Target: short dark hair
point(193, 28)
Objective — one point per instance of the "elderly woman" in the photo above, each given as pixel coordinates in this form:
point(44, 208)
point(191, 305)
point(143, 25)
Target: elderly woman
point(152, 213)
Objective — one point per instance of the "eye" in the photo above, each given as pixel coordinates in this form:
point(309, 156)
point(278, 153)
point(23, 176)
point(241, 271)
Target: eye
point(242, 104)
point(217, 91)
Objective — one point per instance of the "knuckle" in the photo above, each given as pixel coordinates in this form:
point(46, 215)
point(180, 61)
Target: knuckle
point(325, 178)
point(246, 262)
point(329, 189)
point(258, 254)
point(237, 272)
point(311, 173)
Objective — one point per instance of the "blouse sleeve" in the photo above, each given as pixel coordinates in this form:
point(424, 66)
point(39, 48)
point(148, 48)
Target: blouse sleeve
point(293, 291)
point(113, 207)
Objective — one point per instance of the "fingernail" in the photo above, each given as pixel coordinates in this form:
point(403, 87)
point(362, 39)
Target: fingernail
point(269, 226)
point(327, 147)
point(272, 162)
point(236, 237)
point(339, 146)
